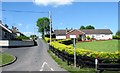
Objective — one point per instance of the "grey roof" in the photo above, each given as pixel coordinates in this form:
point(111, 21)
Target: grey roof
point(97, 31)
point(86, 31)
point(60, 32)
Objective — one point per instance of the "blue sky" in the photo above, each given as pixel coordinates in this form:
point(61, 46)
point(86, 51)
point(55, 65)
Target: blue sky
point(102, 15)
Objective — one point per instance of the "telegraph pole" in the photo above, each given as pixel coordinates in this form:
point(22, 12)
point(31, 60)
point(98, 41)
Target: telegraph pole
point(50, 24)
point(74, 52)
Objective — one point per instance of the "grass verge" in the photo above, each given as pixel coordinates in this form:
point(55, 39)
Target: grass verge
point(5, 58)
point(71, 69)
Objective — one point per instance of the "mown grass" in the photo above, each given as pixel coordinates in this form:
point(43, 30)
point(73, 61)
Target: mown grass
point(99, 46)
point(5, 58)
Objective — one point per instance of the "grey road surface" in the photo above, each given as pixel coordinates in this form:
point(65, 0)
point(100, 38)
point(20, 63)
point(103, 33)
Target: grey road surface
point(32, 59)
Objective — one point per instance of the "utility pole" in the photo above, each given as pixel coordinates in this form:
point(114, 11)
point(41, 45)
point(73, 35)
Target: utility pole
point(74, 45)
point(74, 52)
point(50, 24)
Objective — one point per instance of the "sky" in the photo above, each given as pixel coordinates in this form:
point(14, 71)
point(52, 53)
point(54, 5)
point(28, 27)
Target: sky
point(65, 14)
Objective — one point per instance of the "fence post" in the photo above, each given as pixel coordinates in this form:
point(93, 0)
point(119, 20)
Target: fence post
point(96, 64)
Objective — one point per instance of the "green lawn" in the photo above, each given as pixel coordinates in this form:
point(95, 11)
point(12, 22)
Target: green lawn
point(100, 46)
point(5, 58)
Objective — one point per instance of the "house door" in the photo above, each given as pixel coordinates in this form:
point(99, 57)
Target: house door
point(80, 38)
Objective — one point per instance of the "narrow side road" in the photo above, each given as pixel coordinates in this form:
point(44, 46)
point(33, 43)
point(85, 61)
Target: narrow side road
point(32, 59)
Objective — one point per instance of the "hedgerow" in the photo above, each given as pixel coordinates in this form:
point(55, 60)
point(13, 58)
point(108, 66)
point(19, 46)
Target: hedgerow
point(47, 39)
point(83, 52)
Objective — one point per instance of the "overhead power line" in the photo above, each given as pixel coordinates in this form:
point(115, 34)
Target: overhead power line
point(23, 11)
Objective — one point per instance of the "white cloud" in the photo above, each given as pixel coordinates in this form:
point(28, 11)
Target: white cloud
point(28, 33)
point(55, 3)
point(31, 33)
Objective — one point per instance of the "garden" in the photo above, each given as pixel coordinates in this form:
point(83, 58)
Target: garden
point(100, 46)
point(87, 52)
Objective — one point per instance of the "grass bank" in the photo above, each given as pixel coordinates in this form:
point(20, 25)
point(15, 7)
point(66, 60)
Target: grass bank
point(5, 58)
point(71, 69)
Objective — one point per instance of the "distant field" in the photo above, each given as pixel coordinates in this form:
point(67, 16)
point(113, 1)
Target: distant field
point(100, 46)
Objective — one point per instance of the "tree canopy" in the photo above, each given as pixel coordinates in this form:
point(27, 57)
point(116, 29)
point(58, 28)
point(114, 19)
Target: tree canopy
point(90, 27)
point(87, 27)
point(43, 25)
point(82, 27)
point(118, 33)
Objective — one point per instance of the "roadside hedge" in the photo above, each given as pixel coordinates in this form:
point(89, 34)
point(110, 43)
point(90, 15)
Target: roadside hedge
point(83, 52)
point(47, 39)
point(22, 38)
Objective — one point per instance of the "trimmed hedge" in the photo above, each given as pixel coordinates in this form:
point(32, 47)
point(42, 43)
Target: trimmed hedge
point(47, 39)
point(116, 37)
point(83, 52)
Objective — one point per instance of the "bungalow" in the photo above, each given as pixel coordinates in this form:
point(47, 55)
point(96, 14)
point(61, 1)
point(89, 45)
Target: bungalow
point(98, 34)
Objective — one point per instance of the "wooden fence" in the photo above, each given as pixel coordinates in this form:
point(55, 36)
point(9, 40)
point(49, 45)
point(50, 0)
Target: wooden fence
point(85, 61)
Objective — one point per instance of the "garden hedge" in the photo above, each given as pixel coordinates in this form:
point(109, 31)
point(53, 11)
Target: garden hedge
point(83, 52)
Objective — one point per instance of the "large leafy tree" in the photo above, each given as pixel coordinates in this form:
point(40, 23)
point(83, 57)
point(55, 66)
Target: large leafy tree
point(33, 36)
point(87, 27)
point(90, 27)
point(82, 27)
point(43, 25)
point(118, 33)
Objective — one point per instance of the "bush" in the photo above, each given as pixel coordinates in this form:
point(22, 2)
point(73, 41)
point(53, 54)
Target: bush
point(47, 39)
point(88, 37)
point(67, 42)
point(116, 37)
point(22, 38)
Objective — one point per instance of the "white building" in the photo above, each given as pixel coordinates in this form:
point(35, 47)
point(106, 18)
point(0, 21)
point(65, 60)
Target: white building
point(97, 34)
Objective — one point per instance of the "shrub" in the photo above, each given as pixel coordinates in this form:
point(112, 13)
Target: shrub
point(22, 38)
point(88, 37)
point(67, 42)
point(116, 37)
point(47, 39)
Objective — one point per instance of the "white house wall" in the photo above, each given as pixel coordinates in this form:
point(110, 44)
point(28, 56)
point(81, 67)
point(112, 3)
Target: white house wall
point(16, 43)
point(60, 37)
point(100, 36)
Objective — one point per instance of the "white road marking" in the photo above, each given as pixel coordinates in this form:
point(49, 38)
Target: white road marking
point(44, 65)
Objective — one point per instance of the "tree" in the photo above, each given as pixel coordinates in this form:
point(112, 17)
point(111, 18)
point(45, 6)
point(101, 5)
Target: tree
point(90, 27)
point(33, 36)
point(118, 33)
point(43, 25)
point(82, 27)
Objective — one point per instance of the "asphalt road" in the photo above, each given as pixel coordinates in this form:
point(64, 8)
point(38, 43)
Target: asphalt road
point(33, 58)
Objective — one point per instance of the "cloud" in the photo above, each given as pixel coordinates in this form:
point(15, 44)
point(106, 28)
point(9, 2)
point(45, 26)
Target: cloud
point(28, 33)
point(54, 3)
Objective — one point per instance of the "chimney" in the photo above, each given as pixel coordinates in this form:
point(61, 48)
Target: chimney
point(66, 30)
point(0, 22)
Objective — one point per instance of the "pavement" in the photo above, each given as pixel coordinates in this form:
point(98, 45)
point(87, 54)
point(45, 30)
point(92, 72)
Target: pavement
point(34, 58)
